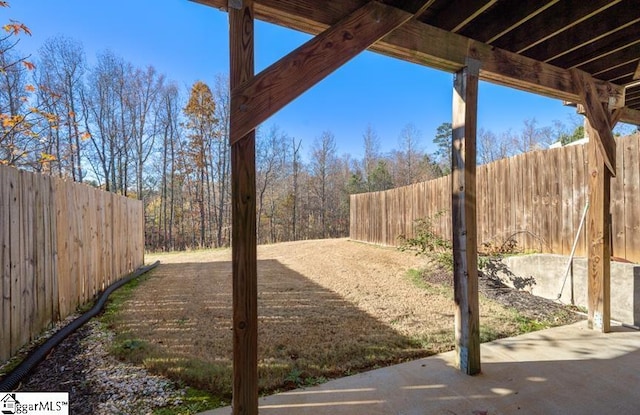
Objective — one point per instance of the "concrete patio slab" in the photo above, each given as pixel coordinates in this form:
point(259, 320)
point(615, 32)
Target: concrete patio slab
point(563, 370)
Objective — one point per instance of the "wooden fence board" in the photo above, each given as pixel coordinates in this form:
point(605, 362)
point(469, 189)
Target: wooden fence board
point(618, 246)
point(501, 196)
point(529, 240)
point(566, 189)
point(556, 200)
point(53, 244)
point(632, 199)
point(538, 196)
point(28, 280)
point(482, 202)
point(56, 239)
point(40, 314)
point(517, 193)
point(580, 196)
point(5, 266)
point(15, 225)
point(62, 244)
point(47, 255)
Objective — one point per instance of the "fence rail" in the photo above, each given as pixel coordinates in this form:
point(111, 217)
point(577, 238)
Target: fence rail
point(535, 198)
point(61, 243)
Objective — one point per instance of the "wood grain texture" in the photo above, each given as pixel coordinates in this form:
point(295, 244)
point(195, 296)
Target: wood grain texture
point(463, 212)
point(631, 194)
point(598, 237)
point(427, 45)
point(569, 178)
point(259, 97)
point(5, 265)
point(49, 250)
point(28, 244)
point(600, 118)
point(243, 199)
point(566, 193)
point(16, 257)
point(619, 244)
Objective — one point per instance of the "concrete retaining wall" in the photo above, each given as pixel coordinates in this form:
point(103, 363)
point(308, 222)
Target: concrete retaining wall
point(542, 275)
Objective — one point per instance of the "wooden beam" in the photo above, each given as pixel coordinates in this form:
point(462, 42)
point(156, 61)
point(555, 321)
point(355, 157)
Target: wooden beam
point(463, 208)
point(598, 236)
point(630, 116)
point(599, 117)
point(426, 45)
point(243, 210)
point(626, 114)
point(279, 84)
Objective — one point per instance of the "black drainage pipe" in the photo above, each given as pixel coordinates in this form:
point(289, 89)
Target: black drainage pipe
point(10, 381)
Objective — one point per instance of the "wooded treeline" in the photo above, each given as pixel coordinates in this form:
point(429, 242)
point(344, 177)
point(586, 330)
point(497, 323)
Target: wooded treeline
point(132, 131)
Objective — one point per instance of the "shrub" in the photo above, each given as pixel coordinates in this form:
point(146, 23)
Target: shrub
point(426, 241)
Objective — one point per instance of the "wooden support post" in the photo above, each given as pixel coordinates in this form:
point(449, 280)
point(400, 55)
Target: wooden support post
point(463, 213)
point(598, 236)
point(601, 152)
point(243, 240)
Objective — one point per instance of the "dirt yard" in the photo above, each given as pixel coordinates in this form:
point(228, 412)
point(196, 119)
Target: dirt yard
point(326, 309)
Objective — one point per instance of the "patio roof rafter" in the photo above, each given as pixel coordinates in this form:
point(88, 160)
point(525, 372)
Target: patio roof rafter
point(427, 45)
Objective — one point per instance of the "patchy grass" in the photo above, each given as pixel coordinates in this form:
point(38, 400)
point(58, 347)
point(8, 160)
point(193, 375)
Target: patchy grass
point(126, 346)
point(326, 309)
point(194, 402)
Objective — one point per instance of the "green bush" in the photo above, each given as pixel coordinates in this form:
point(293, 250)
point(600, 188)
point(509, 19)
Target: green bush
point(426, 241)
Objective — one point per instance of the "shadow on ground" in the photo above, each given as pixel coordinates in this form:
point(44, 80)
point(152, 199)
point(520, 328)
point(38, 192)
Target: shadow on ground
point(306, 333)
point(564, 370)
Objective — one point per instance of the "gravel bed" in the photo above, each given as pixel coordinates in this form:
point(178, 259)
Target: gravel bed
point(98, 383)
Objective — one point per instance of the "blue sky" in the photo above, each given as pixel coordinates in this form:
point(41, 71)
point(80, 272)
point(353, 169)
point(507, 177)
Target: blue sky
point(188, 42)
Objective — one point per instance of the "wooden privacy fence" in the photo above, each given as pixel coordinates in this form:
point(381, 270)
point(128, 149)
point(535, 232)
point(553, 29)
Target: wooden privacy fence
point(61, 243)
point(536, 198)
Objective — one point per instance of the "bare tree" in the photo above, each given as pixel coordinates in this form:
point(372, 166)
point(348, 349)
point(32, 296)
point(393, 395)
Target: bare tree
point(295, 147)
point(410, 164)
point(269, 166)
point(371, 155)
point(532, 137)
point(221, 163)
point(168, 113)
point(323, 164)
point(492, 147)
point(61, 71)
point(142, 99)
point(107, 122)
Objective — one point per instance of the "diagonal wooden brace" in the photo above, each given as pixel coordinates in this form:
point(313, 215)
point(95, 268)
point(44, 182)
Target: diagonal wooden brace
point(255, 100)
point(599, 117)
